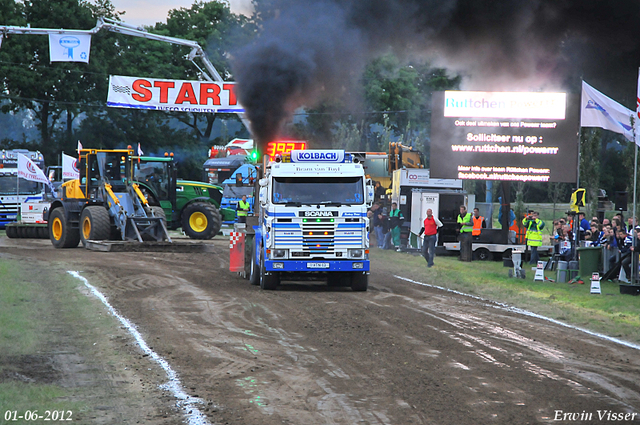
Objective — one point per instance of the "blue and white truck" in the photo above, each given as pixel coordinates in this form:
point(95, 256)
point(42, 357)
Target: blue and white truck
point(311, 223)
point(15, 190)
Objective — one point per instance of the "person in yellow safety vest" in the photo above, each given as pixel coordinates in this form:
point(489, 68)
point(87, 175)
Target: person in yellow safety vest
point(243, 209)
point(478, 222)
point(534, 227)
point(465, 222)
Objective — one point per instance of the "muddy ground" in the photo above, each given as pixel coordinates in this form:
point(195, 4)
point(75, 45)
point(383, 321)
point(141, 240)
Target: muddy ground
point(400, 353)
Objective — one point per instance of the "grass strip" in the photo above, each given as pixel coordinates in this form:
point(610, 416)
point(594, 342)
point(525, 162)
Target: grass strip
point(29, 310)
point(609, 313)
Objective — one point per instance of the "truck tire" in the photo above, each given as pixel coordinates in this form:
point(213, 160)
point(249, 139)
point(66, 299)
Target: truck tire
point(267, 282)
point(359, 281)
point(95, 224)
point(201, 220)
point(254, 270)
point(60, 232)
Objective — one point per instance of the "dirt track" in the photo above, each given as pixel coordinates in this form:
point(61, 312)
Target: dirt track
point(400, 353)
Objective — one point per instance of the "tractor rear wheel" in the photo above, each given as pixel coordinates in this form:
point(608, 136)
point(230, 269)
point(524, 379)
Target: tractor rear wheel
point(60, 232)
point(95, 224)
point(201, 220)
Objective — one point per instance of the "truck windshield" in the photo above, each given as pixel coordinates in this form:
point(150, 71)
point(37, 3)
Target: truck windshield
point(9, 186)
point(318, 190)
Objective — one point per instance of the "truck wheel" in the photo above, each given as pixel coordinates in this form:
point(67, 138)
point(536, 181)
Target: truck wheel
point(267, 282)
point(483, 254)
point(359, 281)
point(60, 232)
point(254, 270)
point(201, 220)
point(95, 224)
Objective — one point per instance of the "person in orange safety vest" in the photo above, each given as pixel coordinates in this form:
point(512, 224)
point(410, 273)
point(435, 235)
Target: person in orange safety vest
point(478, 221)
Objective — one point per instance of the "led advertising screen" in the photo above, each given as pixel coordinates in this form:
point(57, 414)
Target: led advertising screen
point(514, 136)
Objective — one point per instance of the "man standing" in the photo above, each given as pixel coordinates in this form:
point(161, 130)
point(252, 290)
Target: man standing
point(478, 222)
point(243, 209)
point(465, 224)
point(395, 221)
point(430, 230)
point(534, 227)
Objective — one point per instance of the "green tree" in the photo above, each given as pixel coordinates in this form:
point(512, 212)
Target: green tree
point(53, 92)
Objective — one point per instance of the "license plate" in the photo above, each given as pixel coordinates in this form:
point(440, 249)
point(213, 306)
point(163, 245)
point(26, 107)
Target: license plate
point(317, 265)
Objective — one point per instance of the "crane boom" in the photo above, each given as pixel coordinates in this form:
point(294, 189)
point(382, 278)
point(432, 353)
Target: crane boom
point(113, 26)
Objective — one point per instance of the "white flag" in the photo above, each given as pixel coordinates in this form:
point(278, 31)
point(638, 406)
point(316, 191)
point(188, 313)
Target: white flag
point(79, 147)
point(140, 153)
point(69, 47)
point(69, 167)
point(598, 110)
point(28, 170)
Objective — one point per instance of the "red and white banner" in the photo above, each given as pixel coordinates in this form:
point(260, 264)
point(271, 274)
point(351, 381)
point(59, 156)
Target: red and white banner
point(172, 95)
point(69, 167)
point(28, 170)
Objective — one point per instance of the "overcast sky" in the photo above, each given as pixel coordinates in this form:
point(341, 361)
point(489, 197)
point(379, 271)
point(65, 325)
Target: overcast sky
point(148, 12)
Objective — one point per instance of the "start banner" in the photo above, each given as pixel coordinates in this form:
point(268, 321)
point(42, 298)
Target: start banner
point(172, 95)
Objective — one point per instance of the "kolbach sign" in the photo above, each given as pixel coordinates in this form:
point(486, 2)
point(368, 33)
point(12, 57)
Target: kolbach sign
point(172, 95)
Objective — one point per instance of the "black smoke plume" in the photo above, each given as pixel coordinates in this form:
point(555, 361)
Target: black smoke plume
point(317, 48)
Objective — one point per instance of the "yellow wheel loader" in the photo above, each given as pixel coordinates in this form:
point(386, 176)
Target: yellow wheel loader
point(103, 204)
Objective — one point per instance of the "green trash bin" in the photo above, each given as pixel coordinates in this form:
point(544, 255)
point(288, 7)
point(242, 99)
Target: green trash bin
point(590, 258)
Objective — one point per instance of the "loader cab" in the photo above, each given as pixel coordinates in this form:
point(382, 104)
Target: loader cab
point(97, 167)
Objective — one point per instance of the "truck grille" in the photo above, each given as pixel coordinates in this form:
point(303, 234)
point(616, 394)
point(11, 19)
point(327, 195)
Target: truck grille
point(318, 237)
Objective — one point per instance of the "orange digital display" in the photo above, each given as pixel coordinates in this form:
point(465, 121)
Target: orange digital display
point(282, 147)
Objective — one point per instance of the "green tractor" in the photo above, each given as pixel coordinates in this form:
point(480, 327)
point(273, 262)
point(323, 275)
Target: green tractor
point(194, 206)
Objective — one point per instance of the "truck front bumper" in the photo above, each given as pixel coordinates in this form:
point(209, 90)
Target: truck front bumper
point(316, 265)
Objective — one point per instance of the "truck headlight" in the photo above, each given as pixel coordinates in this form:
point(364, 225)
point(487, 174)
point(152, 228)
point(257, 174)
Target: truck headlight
point(358, 265)
point(355, 253)
point(279, 253)
point(278, 265)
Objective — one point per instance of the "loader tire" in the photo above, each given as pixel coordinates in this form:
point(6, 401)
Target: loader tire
point(95, 224)
point(159, 212)
point(60, 232)
point(201, 220)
